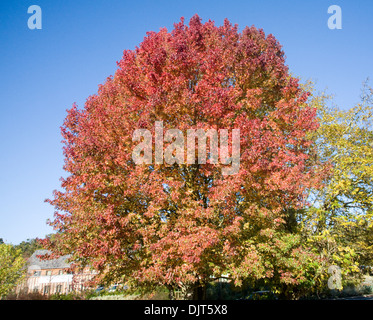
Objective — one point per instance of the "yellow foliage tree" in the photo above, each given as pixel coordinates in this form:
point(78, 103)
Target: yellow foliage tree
point(339, 221)
point(11, 268)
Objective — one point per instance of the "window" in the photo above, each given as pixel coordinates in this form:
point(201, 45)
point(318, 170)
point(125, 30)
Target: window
point(59, 288)
point(70, 287)
point(48, 273)
point(35, 290)
point(37, 273)
point(60, 272)
point(47, 289)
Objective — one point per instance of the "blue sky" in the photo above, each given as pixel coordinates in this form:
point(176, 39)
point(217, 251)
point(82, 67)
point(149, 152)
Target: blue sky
point(43, 72)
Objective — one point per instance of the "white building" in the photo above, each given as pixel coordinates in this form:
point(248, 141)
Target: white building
point(53, 276)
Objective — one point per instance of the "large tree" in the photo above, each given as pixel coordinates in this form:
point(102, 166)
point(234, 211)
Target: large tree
point(340, 221)
point(181, 225)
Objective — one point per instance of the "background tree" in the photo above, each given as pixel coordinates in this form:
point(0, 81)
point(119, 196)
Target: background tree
point(11, 268)
point(28, 247)
point(338, 224)
point(179, 225)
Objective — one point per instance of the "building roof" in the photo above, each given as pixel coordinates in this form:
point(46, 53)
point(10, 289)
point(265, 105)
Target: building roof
point(58, 263)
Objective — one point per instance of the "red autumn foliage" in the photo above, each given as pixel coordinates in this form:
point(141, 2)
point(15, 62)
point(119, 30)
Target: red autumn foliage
point(178, 225)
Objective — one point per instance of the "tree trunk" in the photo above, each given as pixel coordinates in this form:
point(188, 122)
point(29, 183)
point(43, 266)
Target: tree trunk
point(189, 292)
point(171, 294)
point(199, 293)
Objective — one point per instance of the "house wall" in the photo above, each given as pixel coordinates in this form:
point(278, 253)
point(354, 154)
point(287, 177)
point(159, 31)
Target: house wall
point(51, 281)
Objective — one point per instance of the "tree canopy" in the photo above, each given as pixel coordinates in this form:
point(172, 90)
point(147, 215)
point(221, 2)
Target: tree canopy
point(180, 225)
point(339, 221)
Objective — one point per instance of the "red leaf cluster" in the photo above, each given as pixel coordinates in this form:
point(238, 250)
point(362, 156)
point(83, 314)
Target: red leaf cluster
point(177, 224)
